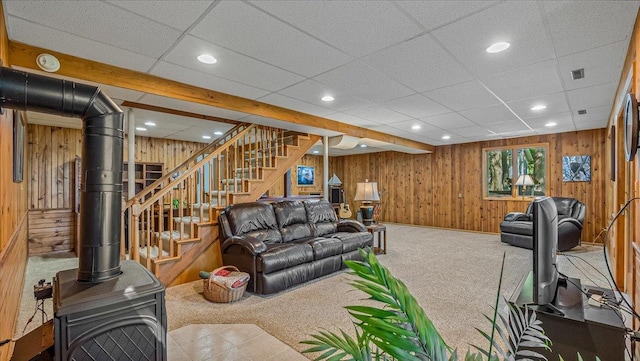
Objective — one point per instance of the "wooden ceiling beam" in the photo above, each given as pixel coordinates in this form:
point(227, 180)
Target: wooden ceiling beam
point(24, 55)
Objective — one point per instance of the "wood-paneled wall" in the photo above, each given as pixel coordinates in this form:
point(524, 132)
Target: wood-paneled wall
point(51, 230)
point(444, 189)
point(52, 152)
point(13, 221)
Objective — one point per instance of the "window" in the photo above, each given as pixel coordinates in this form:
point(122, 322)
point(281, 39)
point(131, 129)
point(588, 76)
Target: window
point(515, 171)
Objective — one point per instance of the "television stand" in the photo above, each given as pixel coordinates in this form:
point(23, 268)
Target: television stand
point(590, 330)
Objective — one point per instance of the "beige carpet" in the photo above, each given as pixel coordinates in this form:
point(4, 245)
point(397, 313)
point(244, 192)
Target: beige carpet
point(454, 276)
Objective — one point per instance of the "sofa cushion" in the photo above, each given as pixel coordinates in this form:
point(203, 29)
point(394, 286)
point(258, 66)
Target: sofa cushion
point(323, 247)
point(353, 241)
point(284, 255)
point(254, 219)
point(322, 217)
point(292, 220)
point(517, 227)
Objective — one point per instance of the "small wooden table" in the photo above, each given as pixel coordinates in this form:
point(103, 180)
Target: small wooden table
point(381, 231)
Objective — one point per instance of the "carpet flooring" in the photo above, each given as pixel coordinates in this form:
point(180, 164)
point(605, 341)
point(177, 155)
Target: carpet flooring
point(453, 274)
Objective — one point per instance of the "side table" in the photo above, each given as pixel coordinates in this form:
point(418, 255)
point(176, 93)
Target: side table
point(379, 230)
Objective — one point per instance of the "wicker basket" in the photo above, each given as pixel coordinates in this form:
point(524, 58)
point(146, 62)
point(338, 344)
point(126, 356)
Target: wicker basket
point(219, 293)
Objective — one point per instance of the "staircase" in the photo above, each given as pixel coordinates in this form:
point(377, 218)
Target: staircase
point(172, 222)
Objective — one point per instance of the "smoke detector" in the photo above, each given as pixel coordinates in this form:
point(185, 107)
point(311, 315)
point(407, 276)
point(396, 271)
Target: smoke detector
point(48, 63)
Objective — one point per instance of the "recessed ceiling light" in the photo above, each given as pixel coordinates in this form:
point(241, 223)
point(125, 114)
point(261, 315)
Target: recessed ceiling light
point(217, 133)
point(363, 145)
point(327, 98)
point(151, 124)
point(207, 59)
point(416, 127)
point(141, 129)
point(551, 124)
point(538, 107)
point(498, 47)
point(206, 137)
point(316, 151)
point(445, 137)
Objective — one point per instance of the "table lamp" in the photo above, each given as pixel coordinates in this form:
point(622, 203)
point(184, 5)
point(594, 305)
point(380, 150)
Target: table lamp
point(367, 192)
point(524, 181)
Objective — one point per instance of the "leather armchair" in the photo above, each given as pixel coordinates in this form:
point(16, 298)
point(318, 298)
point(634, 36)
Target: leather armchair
point(517, 227)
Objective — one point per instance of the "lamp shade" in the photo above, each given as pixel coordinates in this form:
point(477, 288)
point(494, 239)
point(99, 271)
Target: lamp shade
point(367, 191)
point(334, 181)
point(524, 180)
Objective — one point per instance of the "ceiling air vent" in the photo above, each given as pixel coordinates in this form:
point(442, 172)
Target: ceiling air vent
point(577, 74)
point(582, 112)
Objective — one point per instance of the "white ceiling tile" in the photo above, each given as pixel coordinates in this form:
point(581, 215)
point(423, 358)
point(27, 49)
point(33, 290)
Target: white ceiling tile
point(463, 96)
point(290, 49)
point(449, 121)
point(561, 119)
point(177, 14)
point(352, 119)
point(361, 80)
point(191, 107)
point(553, 130)
point(555, 103)
point(99, 21)
point(378, 114)
point(594, 114)
point(590, 125)
point(472, 131)
point(505, 127)
point(518, 133)
point(516, 22)
point(490, 114)
point(434, 14)
point(528, 82)
point(417, 106)
point(576, 26)
point(230, 65)
point(597, 64)
point(356, 27)
point(207, 81)
point(592, 96)
point(406, 126)
point(295, 104)
point(48, 38)
point(412, 63)
point(312, 91)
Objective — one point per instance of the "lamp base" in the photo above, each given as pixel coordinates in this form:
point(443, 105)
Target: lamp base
point(367, 214)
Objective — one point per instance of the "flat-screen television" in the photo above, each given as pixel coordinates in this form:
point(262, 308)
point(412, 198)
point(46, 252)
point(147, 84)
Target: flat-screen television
point(545, 247)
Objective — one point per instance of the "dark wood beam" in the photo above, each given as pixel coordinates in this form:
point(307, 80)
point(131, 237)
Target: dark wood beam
point(24, 55)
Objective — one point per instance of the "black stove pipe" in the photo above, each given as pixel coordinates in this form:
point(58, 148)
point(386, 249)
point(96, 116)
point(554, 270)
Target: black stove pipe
point(103, 135)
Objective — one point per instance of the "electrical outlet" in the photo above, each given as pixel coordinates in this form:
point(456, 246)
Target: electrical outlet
point(459, 195)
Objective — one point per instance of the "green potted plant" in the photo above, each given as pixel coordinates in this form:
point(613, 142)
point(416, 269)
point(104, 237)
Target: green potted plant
point(400, 330)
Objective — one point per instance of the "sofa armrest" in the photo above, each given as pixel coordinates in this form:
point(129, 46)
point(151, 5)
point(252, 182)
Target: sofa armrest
point(572, 221)
point(253, 245)
point(350, 225)
point(517, 216)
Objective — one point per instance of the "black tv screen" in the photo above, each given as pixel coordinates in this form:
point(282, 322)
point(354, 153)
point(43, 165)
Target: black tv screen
point(545, 247)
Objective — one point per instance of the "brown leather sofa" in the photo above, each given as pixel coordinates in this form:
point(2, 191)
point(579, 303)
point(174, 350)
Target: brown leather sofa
point(517, 227)
point(287, 243)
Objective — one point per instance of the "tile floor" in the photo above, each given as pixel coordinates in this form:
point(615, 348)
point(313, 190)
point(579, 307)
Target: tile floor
point(232, 342)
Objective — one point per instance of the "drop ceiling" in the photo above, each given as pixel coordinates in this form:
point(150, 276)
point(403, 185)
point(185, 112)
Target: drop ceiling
point(390, 65)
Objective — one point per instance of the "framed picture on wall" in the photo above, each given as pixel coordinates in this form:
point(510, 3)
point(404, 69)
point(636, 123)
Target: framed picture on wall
point(576, 168)
point(18, 147)
point(306, 176)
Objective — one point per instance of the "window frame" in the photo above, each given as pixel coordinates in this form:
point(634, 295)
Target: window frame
point(514, 171)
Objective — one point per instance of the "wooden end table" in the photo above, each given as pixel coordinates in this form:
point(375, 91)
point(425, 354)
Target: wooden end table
point(381, 231)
